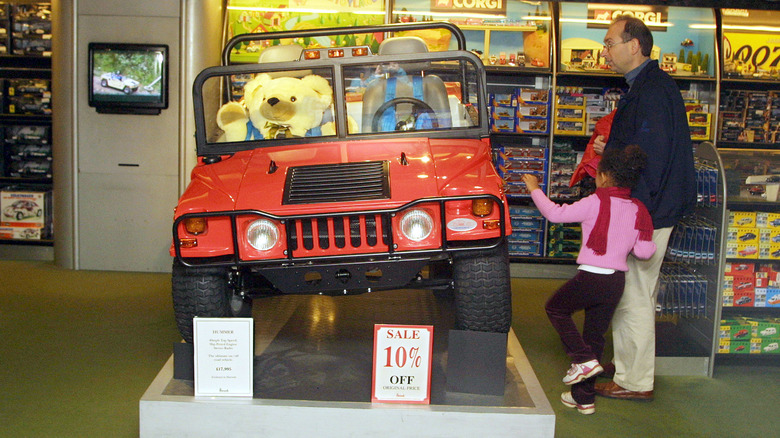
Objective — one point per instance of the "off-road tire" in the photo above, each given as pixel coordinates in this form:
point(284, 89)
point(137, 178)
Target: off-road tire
point(483, 290)
point(203, 292)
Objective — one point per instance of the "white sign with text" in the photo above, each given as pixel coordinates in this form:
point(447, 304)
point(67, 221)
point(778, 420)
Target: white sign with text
point(224, 355)
point(402, 363)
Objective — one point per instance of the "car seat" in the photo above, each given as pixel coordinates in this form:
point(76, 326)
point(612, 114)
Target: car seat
point(391, 98)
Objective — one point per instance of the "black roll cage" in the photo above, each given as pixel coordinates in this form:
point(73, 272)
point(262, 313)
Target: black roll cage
point(337, 65)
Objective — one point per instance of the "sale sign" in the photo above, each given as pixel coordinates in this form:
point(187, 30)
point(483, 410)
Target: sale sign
point(402, 363)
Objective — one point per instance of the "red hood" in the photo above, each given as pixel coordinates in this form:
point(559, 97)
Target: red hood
point(435, 167)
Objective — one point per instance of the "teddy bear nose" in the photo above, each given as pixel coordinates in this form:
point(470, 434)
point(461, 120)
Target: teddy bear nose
point(273, 101)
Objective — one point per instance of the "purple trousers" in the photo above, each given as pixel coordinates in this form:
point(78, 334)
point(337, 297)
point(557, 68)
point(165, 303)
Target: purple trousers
point(598, 295)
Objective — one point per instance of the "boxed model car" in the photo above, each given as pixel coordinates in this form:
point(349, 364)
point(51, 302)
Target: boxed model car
point(313, 185)
point(25, 214)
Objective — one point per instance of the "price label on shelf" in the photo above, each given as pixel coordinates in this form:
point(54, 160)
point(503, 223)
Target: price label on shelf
point(402, 363)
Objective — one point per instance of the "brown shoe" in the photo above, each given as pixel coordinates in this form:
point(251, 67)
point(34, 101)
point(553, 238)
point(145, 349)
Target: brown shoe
point(609, 371)
point(613, 390)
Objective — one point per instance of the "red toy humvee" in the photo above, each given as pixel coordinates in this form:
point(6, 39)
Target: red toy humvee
point(400, 192)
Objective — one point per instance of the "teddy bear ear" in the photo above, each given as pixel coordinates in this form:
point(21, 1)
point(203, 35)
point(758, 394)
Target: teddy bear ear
point(255, 83)
point(229, 113)
point(321, 86)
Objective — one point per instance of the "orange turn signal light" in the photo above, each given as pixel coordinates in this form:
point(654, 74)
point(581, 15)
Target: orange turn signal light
point(195, 225)
point(311, 54)
point(481, 207)
point(335, 53)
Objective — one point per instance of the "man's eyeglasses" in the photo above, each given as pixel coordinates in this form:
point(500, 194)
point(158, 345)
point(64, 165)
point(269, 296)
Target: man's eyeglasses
point(608, 46)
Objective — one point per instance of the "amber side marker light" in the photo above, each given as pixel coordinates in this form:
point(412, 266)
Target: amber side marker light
point(359, 51)
point(490, 224)
point(195, 225)
point(335, 53)
point(188, 242)
point(481, 207)
point(313, 54)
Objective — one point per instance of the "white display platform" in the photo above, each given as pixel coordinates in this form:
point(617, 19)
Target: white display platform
point(280, 407)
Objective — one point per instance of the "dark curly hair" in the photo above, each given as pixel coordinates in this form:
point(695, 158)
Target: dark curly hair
point(624, 165)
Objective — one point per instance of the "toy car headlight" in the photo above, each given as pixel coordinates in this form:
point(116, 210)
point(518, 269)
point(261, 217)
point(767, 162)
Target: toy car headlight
point(416, 225)
point(262, 234)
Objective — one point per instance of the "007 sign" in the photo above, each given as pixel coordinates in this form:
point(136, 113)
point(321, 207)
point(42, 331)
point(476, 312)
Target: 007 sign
point(402, 363)
point(753, 50)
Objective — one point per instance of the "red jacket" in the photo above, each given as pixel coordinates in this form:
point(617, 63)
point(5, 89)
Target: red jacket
point(590, 161)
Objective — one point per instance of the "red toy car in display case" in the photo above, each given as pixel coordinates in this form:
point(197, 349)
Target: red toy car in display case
point(340, 171)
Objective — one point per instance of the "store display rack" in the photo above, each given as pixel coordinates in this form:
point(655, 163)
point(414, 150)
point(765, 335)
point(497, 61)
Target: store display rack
point(25, 124)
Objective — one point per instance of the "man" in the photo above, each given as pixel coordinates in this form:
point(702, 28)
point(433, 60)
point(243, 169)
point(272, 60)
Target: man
point(651, 115)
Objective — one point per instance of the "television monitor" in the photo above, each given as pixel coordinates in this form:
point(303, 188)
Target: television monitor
point(128, 78)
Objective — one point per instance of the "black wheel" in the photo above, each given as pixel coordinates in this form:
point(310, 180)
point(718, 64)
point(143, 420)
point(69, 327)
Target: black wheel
point(204, 292)
point(483, 290)
point(103, 83)
point(418, 107)
point(19, 215)
point(127, 90)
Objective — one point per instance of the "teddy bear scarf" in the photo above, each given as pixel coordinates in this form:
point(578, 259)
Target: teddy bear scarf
point(598, 236)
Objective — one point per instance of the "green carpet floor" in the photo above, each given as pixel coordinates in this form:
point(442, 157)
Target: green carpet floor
point(79, 348)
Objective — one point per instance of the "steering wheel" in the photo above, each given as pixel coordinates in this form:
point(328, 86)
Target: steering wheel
point(418, 107)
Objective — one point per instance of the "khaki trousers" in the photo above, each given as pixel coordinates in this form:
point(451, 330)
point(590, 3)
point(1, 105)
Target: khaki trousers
point(633, 324)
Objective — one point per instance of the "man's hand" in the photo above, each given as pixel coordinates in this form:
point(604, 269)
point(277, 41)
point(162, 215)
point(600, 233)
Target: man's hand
point(598, 145)
point(531, 182)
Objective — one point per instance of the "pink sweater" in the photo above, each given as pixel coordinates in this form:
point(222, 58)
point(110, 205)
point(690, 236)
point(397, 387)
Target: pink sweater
point(623, 238)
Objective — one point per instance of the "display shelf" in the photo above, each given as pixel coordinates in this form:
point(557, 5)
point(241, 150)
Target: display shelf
point(747, 359)
point(749, 311)
point(28, 242)
point(25, 124)
point(690, 283)
point(745, 145)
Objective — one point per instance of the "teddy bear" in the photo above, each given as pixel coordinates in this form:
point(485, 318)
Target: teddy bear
point(278, 107)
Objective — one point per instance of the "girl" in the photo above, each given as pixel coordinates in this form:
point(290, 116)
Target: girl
point(613, 225)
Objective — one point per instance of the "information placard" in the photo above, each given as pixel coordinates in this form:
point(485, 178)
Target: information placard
point(402, 363)
point(224, 354)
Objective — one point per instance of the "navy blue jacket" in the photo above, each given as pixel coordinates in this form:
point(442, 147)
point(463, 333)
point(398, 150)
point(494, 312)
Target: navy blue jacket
point(652, 115)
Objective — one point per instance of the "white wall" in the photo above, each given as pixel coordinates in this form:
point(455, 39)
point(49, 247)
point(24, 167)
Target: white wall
point(110, 216)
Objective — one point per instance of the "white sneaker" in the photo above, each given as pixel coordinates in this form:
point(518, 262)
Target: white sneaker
point(569, 402)
point(581, 371)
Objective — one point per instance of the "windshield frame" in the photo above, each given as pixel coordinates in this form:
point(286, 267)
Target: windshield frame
point(337, 66)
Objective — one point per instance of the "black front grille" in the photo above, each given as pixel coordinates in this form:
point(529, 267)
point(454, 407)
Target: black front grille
point(337, 182)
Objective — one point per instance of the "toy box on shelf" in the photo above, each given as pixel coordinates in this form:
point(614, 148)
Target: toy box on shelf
point(28, 151)
point(514, 161)
point(760, 335)
point(564, 240)
point(751, 284)
point(563, 163)
point(26, 214)
point(570, 112)
point(524, 111)
point(31, 29)
point(754, 235)
point(527, 238)
point(699, 124)
point(750, 116)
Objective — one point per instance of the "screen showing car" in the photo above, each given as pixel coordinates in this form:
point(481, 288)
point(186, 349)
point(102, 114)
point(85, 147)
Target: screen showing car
point(128, 76)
